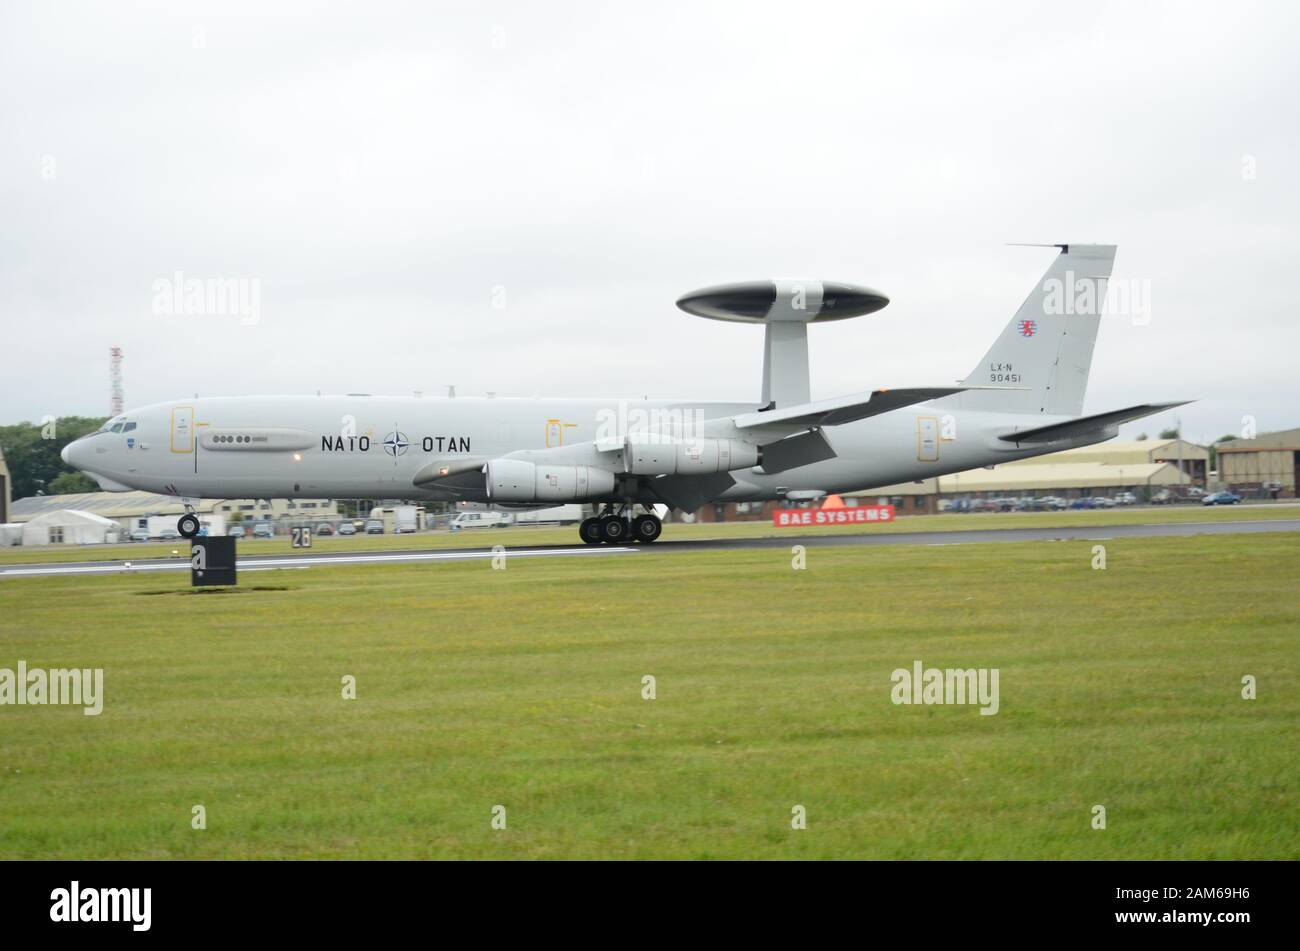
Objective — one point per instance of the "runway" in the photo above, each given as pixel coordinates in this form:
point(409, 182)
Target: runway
point(862, 538)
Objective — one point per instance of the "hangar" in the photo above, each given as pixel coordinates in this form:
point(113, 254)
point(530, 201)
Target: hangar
point(130, 510)
point(1066, 480)
point(1265, 465)
point(1140, 466)
point(1187, 456)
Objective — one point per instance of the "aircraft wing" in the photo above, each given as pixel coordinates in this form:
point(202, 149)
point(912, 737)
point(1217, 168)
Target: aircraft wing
point(1087, 425)
point(845, 409)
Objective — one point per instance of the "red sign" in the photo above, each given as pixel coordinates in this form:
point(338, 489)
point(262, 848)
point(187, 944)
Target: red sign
point(861, 515)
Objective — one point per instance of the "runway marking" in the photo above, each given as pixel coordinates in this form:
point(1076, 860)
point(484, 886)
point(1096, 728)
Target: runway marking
point(866, 539)
point(90, 569)
point(266, 564)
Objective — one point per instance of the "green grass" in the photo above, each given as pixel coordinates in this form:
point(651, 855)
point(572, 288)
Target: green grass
point(675, 531)
point(522, 687)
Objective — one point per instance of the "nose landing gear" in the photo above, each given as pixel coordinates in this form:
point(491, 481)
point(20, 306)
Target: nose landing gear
point(188, 525)
point(612, 528)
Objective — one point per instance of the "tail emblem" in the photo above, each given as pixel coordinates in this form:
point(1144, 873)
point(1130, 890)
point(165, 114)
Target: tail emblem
point(1028, 328)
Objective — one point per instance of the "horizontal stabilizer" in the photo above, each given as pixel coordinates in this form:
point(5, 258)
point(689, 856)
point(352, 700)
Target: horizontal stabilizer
point(1087, 425)
point(846, 409)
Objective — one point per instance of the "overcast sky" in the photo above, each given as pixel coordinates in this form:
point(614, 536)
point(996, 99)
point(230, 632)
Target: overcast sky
point(510, 197)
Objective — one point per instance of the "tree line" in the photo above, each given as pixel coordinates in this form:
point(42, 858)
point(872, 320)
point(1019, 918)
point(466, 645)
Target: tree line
point(31, 452)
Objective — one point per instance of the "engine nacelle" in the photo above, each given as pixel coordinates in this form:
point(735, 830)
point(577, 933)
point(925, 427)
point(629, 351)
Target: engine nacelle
point(651, 455)
point(514, 480)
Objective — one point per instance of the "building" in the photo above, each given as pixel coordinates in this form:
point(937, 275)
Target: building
point(1142, 467)
point(1266, 465)
point(1184, 455)
point(69, 527)
point(131, 510)
point(1066, 480)
point(4, 489)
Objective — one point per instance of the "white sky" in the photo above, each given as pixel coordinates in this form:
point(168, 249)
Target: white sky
point(380, 168)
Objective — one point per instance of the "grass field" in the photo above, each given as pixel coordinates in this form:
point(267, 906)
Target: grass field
point(522, 687)
point(674, 531)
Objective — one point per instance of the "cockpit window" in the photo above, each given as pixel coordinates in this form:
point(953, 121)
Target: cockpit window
point(117, 428)
point(127, 427)
point(113, 426)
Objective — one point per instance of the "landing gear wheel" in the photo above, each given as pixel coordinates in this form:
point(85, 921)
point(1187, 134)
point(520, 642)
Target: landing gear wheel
point(646, 528)
point(613, 529)
point(188, 525)
point(589, 531)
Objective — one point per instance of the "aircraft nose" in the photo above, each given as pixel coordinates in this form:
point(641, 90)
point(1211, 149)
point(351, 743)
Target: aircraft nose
point(71, 453)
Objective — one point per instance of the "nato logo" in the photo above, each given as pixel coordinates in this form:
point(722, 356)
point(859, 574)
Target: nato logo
point(395, 444)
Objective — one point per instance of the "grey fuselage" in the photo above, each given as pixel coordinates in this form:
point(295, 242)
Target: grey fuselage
point(374, 447)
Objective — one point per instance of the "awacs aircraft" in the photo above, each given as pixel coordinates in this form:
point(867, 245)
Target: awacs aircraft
point(1024, 398)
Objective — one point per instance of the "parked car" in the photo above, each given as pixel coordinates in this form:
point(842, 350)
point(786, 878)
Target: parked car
point(1102, 502)
point(1084, 503)
point(375, 526)
point(1221, 498)
point(263, 530)
point(139, 535)
point(1126, 498)
point(480, 520)
point(169, 534)
point(347, 528)
point(1053, 503)
point(323, 528)
point(236, 531)
point(563, 515)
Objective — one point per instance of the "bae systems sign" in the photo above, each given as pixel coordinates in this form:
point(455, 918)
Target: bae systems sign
point(803, 518)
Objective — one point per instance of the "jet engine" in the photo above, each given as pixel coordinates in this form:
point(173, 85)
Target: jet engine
point(651, 455)
point(514, 480)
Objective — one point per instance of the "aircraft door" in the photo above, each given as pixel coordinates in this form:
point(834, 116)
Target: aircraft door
point(927, 439)
point(182, 434)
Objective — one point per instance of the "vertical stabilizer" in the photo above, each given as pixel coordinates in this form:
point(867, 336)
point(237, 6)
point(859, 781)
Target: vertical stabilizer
point(1046, 349)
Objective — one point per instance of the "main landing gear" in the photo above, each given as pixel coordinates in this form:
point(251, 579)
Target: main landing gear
point(614, 528)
